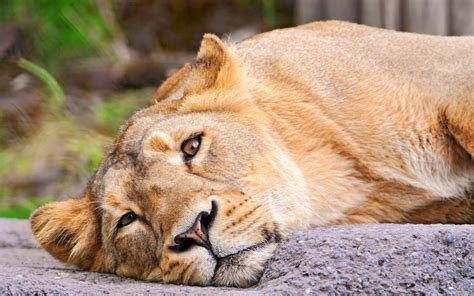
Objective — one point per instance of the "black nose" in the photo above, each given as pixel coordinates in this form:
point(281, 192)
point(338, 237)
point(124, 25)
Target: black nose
point(198, 234)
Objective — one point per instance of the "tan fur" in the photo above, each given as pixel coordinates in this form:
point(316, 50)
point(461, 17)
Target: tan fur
point(321, 124)
point(172, 85)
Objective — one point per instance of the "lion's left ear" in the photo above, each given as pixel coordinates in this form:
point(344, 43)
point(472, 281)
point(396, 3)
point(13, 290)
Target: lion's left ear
point(70, 231)
point(214, 67)
point(173, 87)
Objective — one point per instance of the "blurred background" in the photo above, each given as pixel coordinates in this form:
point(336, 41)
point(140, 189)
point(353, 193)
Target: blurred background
point(72, 71)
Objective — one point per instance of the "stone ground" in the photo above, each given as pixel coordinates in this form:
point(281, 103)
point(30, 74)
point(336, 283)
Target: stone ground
point(361, 259)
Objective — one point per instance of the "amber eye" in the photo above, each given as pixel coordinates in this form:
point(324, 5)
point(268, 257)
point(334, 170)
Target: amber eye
point(127, 219)
point(190, 147)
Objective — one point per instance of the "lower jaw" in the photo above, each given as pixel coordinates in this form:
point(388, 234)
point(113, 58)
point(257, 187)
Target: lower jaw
point(244, 268)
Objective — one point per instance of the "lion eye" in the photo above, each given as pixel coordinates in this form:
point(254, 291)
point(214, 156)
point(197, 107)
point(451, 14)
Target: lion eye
point(190, 147)
point(127, 219)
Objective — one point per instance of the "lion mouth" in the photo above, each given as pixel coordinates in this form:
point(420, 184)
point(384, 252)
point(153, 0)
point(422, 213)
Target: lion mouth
point(256, 247)
point(245, 267)
point(242, 268)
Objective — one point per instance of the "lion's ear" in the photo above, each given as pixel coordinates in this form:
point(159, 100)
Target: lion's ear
point(69, 230)
point(173, 87)
point(213, 68)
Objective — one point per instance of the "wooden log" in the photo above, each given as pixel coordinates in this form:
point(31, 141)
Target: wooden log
point(413, 16)
point(439, 17)
point(426, 16)
point(347, 10)
point(436, 17)
point(371, 12)
point(308, 11)
point(462, 17)
point(392, 17)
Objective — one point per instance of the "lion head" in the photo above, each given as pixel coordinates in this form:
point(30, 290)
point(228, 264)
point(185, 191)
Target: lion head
point(194, 190)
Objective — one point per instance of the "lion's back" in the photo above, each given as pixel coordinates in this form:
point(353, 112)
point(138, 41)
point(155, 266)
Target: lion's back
point(325, 52)
point(379, 92)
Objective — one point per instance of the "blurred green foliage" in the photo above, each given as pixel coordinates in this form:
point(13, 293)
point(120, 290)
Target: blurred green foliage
point(81, 144)
point(90, 149)
point(57, 92)
point(270, 13)
point(112, 113)
point(24, 209)
point(9, 163)
point(59, 31)
point(82, 148)
point(56, 98)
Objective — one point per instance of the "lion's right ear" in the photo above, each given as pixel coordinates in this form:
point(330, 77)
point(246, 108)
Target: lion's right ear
point(70, 231)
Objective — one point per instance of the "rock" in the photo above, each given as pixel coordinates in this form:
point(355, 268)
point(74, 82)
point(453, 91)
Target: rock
point(322, 260)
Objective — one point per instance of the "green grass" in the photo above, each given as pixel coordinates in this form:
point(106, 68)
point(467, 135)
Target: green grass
point(89, 149)
point(58, 31)
point(75, 147)
point(47, 78)
point(18, 163)
point(111, 114)
point(270, 15)
point(23, 210)
point(57, 98)
point(11, 163)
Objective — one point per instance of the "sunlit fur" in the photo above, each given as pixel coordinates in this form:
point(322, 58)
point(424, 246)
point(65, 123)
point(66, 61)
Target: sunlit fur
point(321, 124)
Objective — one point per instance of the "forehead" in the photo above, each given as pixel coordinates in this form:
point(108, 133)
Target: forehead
point(141, 125)
point(125, 166)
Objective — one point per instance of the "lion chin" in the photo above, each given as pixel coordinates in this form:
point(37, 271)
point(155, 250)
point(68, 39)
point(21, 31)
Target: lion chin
point(245, 268)
point(322, 124)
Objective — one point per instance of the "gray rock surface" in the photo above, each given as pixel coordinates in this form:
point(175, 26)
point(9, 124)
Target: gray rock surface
point(357, 259)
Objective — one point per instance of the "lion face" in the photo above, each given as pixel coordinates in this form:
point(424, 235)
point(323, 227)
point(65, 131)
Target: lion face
point(182, 201)
point(179, 199)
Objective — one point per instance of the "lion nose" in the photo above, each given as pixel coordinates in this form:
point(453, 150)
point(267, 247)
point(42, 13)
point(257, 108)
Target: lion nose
point(198, 234)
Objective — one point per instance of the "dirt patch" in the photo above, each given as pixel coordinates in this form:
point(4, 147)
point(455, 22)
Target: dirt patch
point(367, 259)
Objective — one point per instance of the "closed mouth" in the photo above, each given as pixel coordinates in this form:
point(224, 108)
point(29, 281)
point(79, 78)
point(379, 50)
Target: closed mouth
point(237, 259)
point(236, 269)
point(256, 247)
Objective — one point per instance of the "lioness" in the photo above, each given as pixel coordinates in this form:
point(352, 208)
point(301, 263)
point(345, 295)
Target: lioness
point(321, 124)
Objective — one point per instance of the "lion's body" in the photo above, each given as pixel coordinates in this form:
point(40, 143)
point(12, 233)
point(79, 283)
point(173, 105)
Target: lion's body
point(366, 115)
point(321, 124)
